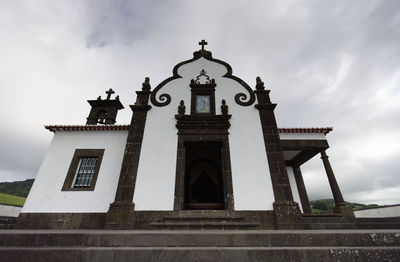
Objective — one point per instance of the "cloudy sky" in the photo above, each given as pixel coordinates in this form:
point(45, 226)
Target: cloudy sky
point(327, 63)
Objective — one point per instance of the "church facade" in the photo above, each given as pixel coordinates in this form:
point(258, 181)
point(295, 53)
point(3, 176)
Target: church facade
point(203, 150)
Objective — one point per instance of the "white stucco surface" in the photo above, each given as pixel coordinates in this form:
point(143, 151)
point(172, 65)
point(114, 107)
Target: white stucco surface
point(393, 211)
point(293, 186)
point(300, 136)
point(9, 211)
point(155, 185)
point(46, 194)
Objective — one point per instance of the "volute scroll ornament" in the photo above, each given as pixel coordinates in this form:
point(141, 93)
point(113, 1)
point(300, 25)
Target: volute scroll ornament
point(242, 98)
point(164, 99)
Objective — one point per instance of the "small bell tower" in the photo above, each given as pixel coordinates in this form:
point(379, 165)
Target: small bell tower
point(104, 111)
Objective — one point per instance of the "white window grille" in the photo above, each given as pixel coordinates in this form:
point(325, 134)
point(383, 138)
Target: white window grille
point(85, 172)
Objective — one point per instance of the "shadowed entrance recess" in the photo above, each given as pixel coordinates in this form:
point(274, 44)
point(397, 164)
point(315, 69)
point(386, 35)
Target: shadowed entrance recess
point(204, 186)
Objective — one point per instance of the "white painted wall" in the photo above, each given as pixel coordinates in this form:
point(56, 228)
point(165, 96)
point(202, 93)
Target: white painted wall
point(293, 186)
point(393, 211)
point(305, 136)
point(155, 185)
point(46, 194)
point(9, 211)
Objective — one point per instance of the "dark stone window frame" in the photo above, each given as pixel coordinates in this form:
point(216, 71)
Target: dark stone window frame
point(202, 90)
point(203, 128)
point(81, 153)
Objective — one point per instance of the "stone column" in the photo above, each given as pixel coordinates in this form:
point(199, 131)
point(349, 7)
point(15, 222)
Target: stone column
point(120, 213)
point(301, 188)
point(340, 205)
point(286, 210)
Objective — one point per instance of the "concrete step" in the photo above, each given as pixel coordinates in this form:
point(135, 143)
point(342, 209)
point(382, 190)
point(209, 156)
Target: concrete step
point(327, 222)
point(336, 225)
point(369, 223)
point(176, 254)
point(204, 225)
point(7, 222)
point(200, 238)
point(203, 218)
point(204, 222)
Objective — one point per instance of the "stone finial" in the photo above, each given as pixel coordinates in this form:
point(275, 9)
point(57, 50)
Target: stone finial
point(117, 98)
point(203, 78)
point(109, 93)
point(99, 98)
point(224, 107)
point(259, 84)
point(146, 84)
point(181, 108)
point(203, 43)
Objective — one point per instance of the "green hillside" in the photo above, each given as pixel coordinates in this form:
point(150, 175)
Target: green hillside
point(17, 188)
point(11, 200)
point(326, 206)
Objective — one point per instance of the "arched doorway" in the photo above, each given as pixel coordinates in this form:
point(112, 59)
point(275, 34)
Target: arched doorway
point(203, 179)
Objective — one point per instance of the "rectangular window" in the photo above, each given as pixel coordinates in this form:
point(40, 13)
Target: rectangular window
point(84, 174)
point(83, 170)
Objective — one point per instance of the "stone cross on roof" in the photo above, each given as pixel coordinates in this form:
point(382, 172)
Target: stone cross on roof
point(109, 93)
point(203, 43)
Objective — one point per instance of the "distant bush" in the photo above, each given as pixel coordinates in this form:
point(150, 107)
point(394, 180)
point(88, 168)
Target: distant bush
point(320, 205)
point(17, 188)
point(326, 205)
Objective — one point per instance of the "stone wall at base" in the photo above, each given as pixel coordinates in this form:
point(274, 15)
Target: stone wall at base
point(61, 221)
point(199, 219)
point(144, 219)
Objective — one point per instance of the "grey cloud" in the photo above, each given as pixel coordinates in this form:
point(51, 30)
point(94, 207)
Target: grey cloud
point(20, 156)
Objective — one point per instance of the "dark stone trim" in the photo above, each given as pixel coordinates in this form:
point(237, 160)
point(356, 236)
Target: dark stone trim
point(202, 128)
point(340, 205)
point(137, 108)
point(109, 107)
point(110, 103)
point(202, 123)
point(79, 153)
point(287, 211)
point(130, 162)
point(337, 194)
point(127, 181)
point(265, 106)
point(240, 98)
point(202, 89)
point(304, 144)
point(120, 213)
point(302, 157)
point(308, 148)
point(301, 188)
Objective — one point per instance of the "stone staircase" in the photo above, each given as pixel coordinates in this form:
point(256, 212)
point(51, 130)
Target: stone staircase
point(200, 245)
point(7, 222)
point(331, 221)
point(204, 222)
